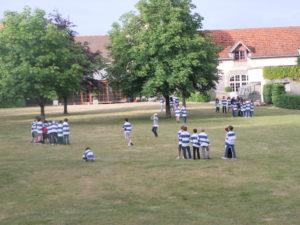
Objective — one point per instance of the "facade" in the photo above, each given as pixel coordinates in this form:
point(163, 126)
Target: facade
point(245, 53)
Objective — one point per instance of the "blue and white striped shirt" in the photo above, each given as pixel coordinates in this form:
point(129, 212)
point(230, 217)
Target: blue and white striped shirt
point(39, 126)
point(177, 111)
point(127, 127)
point(183, 111)
point(195, 140)
point(228, 102)
point(224, 102)
point(179, 138)
point(89, 154)
point(234, 106)
point(59, 130)
point(66, 128)
point(185, 138)
point(203, 139)
point(33, 127)
point(251, 107)
point(230, 138)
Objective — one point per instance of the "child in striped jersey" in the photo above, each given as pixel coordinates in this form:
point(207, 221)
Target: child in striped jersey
point(195, 143)
point(185, 139)
point(34, 133)
point(179, 143)
point(224, 105)
point(127, 127)
point(88, 155)
point(230, 142)
point(39, 126)
point(177, 113)
point(217, 104)
point(66, 132)
point(204, 143)
point(155, 124)
point(60, 136)
point(183, 113)
point(251, 108)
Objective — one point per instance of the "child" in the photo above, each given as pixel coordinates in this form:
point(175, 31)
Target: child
point(45, 132)
point(66, 132)
point(34, 133)
point(127, 127)
point(217, 104)
point(185, 139)
point(224, 104)
point(50, 132)
point(204, 143)
point(183, 112)
point(195, 142)
point(88, 155)
point(234, 109)
point(247, 108)
point(162, 101)
point(155, 124)
point(177, 113)
point(39, 127)
point(60, 136)
point(228, 104)
point(251, 108)
point(179, 143)
point(229, 152)
point(230, 142)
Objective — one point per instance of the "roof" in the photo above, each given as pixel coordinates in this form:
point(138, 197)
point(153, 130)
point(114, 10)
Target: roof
point(277, 41)
point(96, 43)
point(262, 42)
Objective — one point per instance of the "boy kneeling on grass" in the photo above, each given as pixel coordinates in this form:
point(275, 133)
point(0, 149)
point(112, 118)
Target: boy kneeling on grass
point(88, 155)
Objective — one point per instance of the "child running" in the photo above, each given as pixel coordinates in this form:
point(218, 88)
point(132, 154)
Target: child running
point(127, 127)
point(155, 124)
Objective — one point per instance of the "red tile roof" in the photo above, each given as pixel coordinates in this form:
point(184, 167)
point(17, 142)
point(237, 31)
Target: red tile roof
point(96, 43)
point(276, 41)
point(261, 41)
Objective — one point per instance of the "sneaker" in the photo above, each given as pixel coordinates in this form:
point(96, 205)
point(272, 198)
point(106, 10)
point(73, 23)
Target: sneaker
point(223, 158)
point(131, 143)
point(183, 157)
point(234, 158)
point(177, 157)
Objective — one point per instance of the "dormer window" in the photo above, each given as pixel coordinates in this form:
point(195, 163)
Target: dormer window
point(240, 51)
point(240, 55)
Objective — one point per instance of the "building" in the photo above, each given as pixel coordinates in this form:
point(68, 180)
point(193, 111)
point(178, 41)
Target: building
point(245, 53)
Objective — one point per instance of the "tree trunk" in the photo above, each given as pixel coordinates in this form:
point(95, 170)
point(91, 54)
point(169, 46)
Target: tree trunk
point(184, 101)
point(65, 99)
point(168, 111)
point(43, 115)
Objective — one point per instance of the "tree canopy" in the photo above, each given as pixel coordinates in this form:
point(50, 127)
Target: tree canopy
point(162, 50)
point(38, 59)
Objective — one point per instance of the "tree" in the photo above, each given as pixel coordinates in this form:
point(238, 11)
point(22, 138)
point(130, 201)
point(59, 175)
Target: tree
point(161, 50)
point(78, 54)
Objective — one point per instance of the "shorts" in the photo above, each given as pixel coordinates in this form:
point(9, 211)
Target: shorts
point(179, 148)
point(34, 134)
point(127, 134)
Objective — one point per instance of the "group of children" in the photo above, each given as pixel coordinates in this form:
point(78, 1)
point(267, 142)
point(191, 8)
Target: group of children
point(238, 107)
point(50, 132)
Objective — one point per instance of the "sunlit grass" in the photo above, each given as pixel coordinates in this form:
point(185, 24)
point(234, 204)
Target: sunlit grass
point(144, 184)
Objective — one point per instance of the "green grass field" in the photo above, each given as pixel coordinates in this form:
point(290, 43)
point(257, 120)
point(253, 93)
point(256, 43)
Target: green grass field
point(145, 184)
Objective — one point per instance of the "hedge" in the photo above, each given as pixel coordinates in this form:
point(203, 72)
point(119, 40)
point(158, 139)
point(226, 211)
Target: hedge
point(277, 90)
point(287, 101)
point(268, 93)
point(199, 97)
point(292, 72)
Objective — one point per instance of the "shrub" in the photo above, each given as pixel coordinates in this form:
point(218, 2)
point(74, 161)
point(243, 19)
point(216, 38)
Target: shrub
point(271, 73)
point(199, 97)
point(268, 93)
point(228, 89)
point(277, 90)
point(287, 101)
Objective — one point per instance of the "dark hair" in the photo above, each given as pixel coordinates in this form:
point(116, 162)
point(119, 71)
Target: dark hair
point(230, 127)
point(226, 129)
point(184, 128)
point(66, 119)
point(126, 119)
point(195, 130)
point(87, 148)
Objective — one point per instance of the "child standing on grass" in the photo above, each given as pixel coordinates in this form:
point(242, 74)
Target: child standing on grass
point(177, 113)
point(224, 105)
point(251, 108)
point(66, 132)
point(185, 139)
point(230, 142)
point(183, 113)
point(88, 155)
point(60, 135)
point(45, 132)
point(195, 143)
point(39, 127)
point(217, 104)
point(155, 124)
point(179, 143)
point(204, 143)
point(127, 127)
point(228, 104)
point(34, 133)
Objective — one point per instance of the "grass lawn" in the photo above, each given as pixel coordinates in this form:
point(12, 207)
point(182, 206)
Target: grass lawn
point(145, 184)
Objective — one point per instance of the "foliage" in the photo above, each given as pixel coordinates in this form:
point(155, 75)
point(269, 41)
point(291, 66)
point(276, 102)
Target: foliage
point(199, 97)
point(277, 90)
point(287, 101)
point(267, 92)
point(292, 72)
point(228, 89)
point(12, 102)
point(160, 50)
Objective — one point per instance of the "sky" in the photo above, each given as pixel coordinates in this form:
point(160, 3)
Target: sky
point(95, 17)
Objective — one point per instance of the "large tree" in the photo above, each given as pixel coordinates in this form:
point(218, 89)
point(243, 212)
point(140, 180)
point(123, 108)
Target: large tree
point(162, 50)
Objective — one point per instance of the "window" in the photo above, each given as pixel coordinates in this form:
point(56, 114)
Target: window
point(238, 81)
point(239, 55)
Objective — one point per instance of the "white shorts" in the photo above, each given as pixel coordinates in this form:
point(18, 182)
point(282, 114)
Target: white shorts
point(127, 135)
